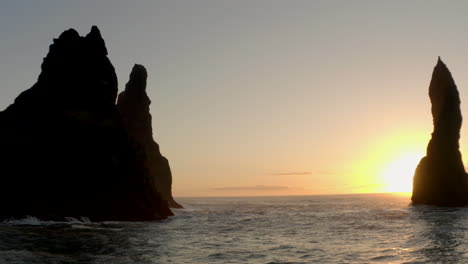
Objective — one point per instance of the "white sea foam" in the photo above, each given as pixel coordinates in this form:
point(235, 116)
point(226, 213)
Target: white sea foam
point(34, 221)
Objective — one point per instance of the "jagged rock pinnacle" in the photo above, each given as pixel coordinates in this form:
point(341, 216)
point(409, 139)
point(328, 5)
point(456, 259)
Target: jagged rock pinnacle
point(76, 71)
point(95, 36)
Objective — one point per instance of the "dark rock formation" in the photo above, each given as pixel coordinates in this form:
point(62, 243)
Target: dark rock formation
point(440, 178)
point(64, 148)
point(134, 106)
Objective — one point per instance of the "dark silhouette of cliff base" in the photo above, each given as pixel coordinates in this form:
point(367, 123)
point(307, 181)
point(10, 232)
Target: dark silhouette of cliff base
point(134, 106)
point(64, 148)
point(440, 178)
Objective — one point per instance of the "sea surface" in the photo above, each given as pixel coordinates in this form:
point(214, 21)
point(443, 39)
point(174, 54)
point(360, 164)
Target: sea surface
point(370, 228)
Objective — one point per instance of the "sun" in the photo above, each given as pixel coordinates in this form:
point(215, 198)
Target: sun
point(398, 175)
point(388, 162)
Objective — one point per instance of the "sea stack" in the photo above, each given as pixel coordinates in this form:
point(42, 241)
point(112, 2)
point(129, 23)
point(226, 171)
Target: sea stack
point(64, 147)
point(134, 106)
point(440, 178)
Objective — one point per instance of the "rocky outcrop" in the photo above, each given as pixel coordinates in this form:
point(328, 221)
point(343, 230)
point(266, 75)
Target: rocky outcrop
point(134, 106)
point(440, 178)
point(64, 148)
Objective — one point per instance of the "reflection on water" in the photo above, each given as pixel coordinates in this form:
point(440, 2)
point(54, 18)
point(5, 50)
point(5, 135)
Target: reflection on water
point(443, 229)
point(308, 229)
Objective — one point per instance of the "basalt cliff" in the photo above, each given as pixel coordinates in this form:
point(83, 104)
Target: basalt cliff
point(440, 178)
point(67, 150)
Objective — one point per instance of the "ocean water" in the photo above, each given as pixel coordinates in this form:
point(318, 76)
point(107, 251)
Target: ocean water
point(371, 228)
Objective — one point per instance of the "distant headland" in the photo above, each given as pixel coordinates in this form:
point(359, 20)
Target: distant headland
point(68, 150)
point(440, 178)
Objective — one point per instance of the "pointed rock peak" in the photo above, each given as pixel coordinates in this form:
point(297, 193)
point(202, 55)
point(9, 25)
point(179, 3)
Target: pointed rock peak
point(95, 31)
point(59, 52)
point(96, 40)
point(139, 67)
point(137, 81)
point(441, 64)
point(441, 77)
point(138, 72)
point(134, 96)
point(70, 34)
point(95, 34)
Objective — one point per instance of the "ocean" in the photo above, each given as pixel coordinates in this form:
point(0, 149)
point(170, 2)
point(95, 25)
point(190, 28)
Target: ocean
point(364, 228)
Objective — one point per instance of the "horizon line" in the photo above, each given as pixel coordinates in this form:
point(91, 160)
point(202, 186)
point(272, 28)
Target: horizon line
point(289, 195)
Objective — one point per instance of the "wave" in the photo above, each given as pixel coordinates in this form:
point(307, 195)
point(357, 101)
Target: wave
point(34, 221)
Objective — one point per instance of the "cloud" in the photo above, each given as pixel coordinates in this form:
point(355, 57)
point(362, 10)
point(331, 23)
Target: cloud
point(328, 172)
point(292, 173)
point(315, 173)
point(252, 188)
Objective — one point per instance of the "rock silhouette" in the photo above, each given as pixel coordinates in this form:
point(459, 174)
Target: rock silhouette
point(64, 147)
point(440, 178)
point(134, 106)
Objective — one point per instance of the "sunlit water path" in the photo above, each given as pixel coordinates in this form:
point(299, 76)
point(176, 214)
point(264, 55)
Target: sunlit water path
point(377, 228)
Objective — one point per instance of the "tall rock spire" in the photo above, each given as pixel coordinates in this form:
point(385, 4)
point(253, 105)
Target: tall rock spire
point(134, 106)
point(440, 178)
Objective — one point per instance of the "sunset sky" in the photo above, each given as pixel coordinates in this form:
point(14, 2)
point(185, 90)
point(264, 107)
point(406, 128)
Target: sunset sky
point(267, 97)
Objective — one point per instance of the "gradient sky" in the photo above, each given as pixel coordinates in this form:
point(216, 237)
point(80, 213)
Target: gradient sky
point(265, 97)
